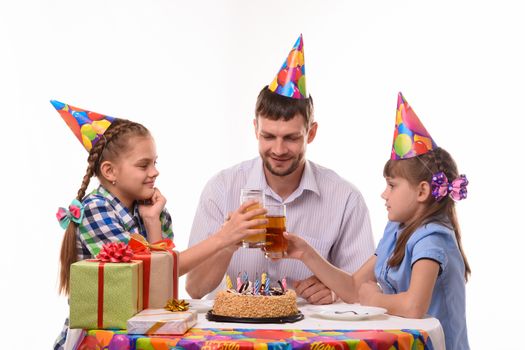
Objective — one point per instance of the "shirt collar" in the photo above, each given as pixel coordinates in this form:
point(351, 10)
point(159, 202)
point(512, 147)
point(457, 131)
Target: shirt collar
point(256, 179)
point(128, 219)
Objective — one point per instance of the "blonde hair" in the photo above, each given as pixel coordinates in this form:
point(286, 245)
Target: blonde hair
point(114, 141)
point(418, 169)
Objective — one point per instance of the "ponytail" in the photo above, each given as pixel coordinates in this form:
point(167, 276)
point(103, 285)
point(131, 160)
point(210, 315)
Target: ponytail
point(68, 251)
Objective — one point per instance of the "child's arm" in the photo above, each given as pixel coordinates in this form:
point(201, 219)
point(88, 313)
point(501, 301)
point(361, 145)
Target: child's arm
point(345, 285)
point(150, 214)
point(413, 303)
point(232, 232)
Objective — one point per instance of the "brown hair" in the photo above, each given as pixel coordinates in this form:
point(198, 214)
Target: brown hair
point(273, 106)
point(109, 146)
point(418, 169)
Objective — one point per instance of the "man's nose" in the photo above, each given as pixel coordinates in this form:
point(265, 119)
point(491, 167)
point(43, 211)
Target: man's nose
point(279, 147)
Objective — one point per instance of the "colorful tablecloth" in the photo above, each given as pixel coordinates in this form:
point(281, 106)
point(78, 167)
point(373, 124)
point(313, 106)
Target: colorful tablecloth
point(261, 339)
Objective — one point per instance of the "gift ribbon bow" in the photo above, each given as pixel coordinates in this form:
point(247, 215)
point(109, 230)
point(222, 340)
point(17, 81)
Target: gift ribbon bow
point(115, 252)
point(139, 244)
point(75, 213)
point(175, 305)
point(456, 189)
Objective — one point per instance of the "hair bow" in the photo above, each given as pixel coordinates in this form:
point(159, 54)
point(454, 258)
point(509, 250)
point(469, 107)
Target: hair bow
point(441, 187)
point(75, 213)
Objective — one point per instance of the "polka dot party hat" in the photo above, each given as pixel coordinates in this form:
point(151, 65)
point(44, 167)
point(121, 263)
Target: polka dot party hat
point(410, 136)
point(291, 80)
point(87, 126)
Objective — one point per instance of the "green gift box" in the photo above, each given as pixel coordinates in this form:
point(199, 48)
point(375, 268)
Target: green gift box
point(104, 295)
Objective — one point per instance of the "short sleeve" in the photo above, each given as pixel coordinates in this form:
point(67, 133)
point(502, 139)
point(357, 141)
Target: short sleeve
point(166, 224)
point(355, 242)
point(431, 246)
point(209, 216)
point(100, 225)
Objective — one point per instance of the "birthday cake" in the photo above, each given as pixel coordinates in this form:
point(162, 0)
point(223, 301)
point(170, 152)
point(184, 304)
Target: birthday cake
point(248, 301)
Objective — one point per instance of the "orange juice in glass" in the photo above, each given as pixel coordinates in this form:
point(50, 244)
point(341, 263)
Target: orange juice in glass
point(258, 240)
point(276, 244)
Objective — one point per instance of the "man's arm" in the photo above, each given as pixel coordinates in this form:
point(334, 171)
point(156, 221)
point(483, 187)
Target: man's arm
point(352, 249)
point(355, 244)
point(208, 275)
point(208, 219)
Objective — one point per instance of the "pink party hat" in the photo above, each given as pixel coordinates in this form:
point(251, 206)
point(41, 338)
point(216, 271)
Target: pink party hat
point(291, 80)
point(410, 136)
point(87, 126)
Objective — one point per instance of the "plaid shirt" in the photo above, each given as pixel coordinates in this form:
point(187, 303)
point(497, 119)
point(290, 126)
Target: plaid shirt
point(106, 219)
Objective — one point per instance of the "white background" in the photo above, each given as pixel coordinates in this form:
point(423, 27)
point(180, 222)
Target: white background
point(191, 71)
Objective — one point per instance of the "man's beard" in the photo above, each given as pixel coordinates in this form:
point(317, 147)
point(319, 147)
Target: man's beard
point(293, 167)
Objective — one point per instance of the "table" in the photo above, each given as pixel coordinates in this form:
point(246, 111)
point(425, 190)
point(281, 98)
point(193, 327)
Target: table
point(380, 332)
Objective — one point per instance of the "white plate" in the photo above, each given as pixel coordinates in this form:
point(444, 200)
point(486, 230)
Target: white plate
point(200, 305)
point(348, 312)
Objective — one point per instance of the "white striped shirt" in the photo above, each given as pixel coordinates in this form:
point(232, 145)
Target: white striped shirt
point(326, 210)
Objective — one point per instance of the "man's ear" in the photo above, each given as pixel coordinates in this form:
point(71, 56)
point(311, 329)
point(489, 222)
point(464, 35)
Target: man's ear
point(312, 132)
point(108, 171)
point(423, 191)
point(255, 127)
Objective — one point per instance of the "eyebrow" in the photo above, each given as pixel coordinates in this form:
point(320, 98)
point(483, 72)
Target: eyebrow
point(265, 133)
point(146, 159)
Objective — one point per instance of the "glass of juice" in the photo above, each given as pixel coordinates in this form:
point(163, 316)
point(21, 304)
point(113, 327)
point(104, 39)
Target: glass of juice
point(258, 240)
point(276, 244)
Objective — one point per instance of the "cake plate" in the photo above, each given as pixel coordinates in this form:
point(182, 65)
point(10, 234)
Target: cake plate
point(286, 319)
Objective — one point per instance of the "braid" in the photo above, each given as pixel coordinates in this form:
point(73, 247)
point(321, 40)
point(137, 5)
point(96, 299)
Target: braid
point(108, 146)
point(68, 251)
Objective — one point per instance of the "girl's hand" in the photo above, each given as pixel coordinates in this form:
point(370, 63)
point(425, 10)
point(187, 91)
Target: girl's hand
point(297, 247)
point(240, 224)
point(151, 209)
point(368, 292)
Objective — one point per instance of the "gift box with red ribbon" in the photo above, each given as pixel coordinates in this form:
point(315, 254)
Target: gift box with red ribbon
point(161, 274)
point(106, 292)
point(160, 321)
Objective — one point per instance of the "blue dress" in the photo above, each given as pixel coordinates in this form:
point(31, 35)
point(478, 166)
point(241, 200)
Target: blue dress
point(436, 242)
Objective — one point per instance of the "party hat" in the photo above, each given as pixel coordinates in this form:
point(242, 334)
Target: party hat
point(291, 80)
point(410, 136)
point(87, 126)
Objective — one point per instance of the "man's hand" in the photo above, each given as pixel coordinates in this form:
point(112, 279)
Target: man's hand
point(314, 291)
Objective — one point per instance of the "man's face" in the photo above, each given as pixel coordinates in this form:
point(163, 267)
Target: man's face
point(282, 144)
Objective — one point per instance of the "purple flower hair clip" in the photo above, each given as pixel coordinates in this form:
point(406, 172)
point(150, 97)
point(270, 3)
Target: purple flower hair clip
point(457, 189)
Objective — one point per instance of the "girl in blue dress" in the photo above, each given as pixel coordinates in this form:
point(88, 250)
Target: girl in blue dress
point(419, 266)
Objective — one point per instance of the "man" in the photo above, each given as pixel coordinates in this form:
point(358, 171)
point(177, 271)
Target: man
point(323, 208)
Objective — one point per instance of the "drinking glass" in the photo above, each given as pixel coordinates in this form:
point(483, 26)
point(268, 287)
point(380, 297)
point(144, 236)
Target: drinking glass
point(276, 245)
point(258, 240)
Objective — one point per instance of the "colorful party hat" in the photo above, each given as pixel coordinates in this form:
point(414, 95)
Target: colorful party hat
point(291, 80)
point(87, 126)
point(410, 136)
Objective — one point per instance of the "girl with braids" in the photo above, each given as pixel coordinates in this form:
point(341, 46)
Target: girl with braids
point(122, 155)
point(419, 266)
